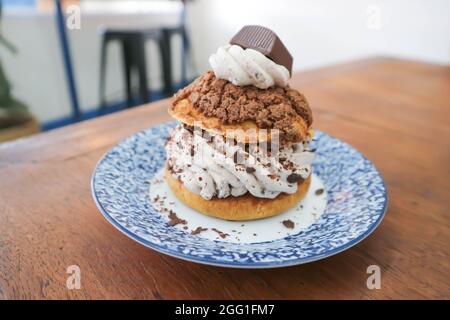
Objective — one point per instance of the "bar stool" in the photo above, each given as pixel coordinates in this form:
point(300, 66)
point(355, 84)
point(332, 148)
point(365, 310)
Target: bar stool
point(134, 60)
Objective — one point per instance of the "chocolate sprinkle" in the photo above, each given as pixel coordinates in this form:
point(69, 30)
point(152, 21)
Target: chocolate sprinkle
point(174, 219)
point(250, 169)
point(198, 230)
point(289, 224)
point(235, 157)
point(319, 192)
point(294, 178)
point(223, 235)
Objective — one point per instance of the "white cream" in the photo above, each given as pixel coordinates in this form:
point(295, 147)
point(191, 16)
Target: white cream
point(244, 67)
point(209, 168)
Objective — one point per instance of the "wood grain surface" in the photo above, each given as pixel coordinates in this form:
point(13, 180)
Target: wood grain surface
point(397, 113)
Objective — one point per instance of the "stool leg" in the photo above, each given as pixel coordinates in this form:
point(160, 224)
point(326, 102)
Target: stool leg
point(127, 56)
point(103, 57)
point(186, 46)
point(142, 69)
point(166, 57)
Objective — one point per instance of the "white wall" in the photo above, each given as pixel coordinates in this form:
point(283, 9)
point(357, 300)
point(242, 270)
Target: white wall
point(318, 33)
point(323, 32)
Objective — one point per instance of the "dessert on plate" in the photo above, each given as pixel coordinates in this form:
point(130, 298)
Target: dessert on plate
point(242, 148)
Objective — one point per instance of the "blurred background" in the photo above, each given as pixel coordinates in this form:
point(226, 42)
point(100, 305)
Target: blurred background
point(66, 61)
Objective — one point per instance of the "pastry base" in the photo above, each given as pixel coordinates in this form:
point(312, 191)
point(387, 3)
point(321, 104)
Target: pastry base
point(245, 207)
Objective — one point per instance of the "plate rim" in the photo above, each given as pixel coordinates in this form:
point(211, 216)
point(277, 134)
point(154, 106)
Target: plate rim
point(234, 264)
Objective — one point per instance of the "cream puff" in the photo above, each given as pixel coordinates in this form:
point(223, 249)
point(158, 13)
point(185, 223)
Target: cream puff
point(242, 148)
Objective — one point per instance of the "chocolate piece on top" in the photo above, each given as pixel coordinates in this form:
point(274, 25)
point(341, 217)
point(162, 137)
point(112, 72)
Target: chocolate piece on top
point(265, 41)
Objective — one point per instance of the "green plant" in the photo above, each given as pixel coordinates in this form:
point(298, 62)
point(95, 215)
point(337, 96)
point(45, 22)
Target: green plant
point(12, 111)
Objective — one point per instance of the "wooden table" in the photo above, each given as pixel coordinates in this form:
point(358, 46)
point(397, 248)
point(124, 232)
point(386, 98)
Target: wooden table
point(396, 112)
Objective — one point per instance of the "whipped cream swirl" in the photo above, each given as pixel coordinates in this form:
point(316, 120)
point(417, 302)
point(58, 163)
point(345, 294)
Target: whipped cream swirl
point(247, 67)
point(213, 167)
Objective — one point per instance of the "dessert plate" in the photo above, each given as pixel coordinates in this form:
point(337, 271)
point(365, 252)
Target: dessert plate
point(352, 206)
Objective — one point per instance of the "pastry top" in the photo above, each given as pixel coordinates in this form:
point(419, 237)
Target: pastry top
point(247, 94)
point(220, 105)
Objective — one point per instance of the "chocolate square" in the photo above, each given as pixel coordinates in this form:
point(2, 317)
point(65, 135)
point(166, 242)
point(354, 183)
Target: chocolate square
point(265, 41)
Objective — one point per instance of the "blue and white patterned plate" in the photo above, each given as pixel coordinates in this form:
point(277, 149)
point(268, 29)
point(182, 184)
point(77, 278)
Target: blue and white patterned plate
point(355, 192)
